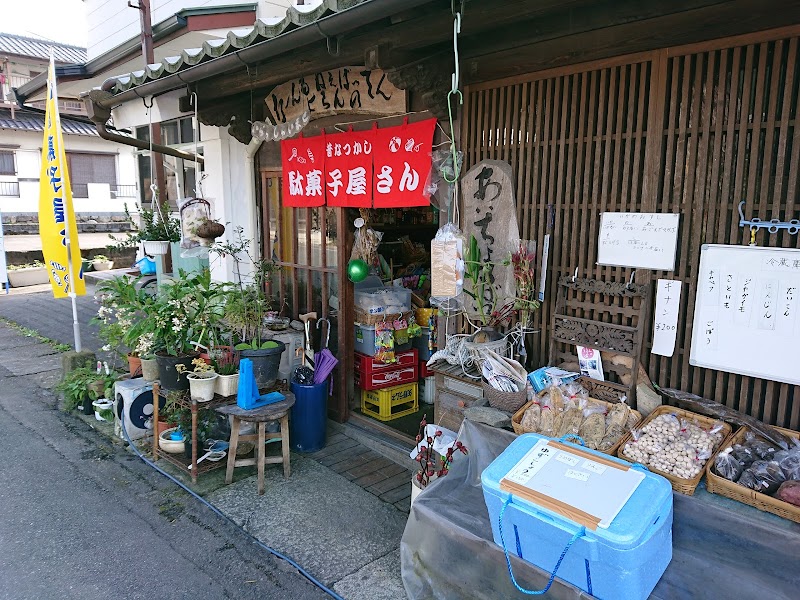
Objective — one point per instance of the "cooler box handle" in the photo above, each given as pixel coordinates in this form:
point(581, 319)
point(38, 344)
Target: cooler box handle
point(578, 534)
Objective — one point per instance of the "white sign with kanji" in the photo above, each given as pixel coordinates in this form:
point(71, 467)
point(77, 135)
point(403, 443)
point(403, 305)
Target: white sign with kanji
point(665, 319)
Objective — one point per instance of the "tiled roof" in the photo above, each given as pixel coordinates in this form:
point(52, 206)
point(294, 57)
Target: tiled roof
point(34, 48)
point(25, 120)
point(235, 40)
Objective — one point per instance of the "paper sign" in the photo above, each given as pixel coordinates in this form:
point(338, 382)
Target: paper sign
point(530, 464)
point(665, 326)
point(594, 467)
point(579, 475)
point(590, 362)
point(567, 459)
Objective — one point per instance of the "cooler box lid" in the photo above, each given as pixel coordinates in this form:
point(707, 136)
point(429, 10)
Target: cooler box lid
point(616, 501)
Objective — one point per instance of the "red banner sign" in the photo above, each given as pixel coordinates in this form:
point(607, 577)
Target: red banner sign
point(348, 169)
point(402, 161)
point(384, 168)
point(303, 171)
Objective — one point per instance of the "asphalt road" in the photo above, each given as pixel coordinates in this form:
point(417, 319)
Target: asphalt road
point(81, 517)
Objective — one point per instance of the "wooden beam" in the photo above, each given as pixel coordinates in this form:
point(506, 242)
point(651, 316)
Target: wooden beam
point(733, 17)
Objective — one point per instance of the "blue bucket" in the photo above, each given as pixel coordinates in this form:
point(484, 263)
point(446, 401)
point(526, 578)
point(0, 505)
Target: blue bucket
point(309, 417)
point(147, 266)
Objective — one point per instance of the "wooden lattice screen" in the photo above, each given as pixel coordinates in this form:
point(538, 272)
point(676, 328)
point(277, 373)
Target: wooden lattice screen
point(692, 130)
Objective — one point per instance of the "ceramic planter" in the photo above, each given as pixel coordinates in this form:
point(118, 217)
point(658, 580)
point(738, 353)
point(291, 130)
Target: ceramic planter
point(265, 364)
point(103, 265)
point(149, 369)
point(28, 276)
point(227, 385)
point(201, 386)
point(155, 248)
point(168, 376)
point(134, 365)
point(169, 445)
point(99, 405)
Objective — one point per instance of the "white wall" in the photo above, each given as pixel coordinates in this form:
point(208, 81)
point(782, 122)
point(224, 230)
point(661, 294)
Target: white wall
point(28, 162)
point(111, 22)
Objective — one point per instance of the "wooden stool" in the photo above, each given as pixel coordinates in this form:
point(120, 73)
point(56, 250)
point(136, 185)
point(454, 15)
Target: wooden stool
point(260, 416)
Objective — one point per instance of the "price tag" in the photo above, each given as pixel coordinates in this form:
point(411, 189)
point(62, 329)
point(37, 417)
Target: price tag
point(579, 475)
point(594, 467)
point(567, 459)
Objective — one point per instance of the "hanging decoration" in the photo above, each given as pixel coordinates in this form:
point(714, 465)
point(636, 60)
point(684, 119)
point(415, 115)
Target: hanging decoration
point(348, 169)
point(267, 132)
point(303, 168)
point(385, 168)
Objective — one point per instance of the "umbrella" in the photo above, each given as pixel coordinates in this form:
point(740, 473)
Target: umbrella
point(324, 360)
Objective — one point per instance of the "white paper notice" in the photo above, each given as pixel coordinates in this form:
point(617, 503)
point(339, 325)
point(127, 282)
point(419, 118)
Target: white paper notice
point(591, 363)
point(665, 326)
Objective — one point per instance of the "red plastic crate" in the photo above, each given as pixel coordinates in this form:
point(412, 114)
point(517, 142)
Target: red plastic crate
point(373, 375)
point(424, 371)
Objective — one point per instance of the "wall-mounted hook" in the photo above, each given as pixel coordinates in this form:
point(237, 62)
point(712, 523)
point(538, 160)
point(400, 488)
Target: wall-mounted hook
point(630, 281)
point(574, 275)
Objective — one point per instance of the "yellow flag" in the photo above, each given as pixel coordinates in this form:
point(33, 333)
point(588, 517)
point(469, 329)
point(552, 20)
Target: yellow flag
point(56, 217)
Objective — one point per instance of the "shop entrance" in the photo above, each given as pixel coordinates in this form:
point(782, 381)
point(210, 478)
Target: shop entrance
point(391, 389)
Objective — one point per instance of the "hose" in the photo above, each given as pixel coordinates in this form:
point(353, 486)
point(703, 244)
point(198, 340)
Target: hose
point(218, 512)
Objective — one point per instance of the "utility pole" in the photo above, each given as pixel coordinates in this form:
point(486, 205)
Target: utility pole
point(143, 7)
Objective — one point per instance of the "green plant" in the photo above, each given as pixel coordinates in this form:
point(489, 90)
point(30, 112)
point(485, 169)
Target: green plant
point(225, 363)
point(158, 224)
point(28, 332)
point(248, 304)
point(479, 272)
point(181, 416)
point(37, 264)
point(75, 385)
point(121, 305)
point(101, 257)
point(199, 366)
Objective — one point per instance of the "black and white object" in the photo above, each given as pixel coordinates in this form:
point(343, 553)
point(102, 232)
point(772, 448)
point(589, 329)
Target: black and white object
point(133, 404)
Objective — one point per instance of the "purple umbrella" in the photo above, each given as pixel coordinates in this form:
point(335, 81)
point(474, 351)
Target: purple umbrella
point(324, 360)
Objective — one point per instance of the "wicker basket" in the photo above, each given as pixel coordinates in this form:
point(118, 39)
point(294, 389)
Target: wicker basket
point(719, 485)
point(634, 419)
point(364, 318)
point(476, 351)
point(506, 401)
point(684, 486)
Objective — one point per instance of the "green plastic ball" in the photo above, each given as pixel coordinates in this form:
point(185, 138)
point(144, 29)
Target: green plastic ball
point(357, 270)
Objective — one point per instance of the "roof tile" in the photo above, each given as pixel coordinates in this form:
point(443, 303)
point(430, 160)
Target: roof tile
point(25, 120)
point(31, 47)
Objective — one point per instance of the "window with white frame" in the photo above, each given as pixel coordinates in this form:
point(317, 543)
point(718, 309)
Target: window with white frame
point(181, 178)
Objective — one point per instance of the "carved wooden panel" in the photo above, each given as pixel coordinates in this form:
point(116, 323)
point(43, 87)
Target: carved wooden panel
point(582, 332)
point(611, 288)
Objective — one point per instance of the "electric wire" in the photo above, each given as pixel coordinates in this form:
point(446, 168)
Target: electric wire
point(218, 512)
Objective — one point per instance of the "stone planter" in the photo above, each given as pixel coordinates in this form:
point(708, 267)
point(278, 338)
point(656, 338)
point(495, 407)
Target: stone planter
point(201, 386)
point(149, 369)
point(103, 265)
point(28, 276)
point(227, 385)
point(155, 248)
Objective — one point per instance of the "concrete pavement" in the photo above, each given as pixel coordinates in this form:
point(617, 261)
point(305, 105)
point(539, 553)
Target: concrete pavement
point(341, 523)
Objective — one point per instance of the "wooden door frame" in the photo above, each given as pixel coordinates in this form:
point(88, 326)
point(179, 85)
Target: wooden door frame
point(339, 409)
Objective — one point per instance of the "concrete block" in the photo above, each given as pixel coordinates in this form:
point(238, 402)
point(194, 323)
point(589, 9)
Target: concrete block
point(489, 416)
point(72, 360)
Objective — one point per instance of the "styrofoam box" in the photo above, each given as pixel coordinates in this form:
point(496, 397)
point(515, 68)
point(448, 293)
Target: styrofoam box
point(383, 300)
point(625, 560)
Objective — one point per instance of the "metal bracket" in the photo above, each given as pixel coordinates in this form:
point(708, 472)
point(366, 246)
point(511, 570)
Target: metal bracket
point(773, 225)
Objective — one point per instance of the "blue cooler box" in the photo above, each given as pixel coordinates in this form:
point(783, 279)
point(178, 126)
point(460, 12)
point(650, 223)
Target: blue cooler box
point(623, 561)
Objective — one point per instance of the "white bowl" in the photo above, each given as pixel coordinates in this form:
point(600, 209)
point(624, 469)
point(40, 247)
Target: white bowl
point(168, 445)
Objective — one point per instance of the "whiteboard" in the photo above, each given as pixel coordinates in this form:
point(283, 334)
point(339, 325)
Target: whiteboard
point(573, 478)
point(745, 312)
point(639, 240)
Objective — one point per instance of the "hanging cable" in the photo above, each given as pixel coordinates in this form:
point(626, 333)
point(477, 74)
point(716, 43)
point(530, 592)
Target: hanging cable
point(153, 185)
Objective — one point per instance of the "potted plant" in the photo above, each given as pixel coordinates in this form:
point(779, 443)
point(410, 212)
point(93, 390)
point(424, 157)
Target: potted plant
point(102, 263)
point(158, 229)
point(436, 449)
point(202, 379)
point(247, 306)
point(226, 364)
point(34, 273)
point(83, 385)
point(181, 416)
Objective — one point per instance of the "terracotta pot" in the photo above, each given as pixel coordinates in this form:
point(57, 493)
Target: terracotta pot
point(162, 426)
point(134, 365)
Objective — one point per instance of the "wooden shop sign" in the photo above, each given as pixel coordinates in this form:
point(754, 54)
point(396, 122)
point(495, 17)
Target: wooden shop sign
point(344, 90)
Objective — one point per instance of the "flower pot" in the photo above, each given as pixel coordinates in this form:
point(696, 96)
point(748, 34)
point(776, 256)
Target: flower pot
point(162, 426)
point(168, 376)
point(167, 444)
point(416, 489)
point(103, 265)
point(28, 276)
point(134, 365)
point(201, 386)
point(225, 352)
point(149, 369)
point(155, 248)
point(227, 385)
point(265, 364)
point(99, 405)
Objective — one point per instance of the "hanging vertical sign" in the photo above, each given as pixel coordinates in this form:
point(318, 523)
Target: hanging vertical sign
point(402, 161)
point(303, 171)
point(348, 169)
point(665, 326)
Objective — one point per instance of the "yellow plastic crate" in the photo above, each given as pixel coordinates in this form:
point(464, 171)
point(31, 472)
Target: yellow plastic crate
point(390, 403)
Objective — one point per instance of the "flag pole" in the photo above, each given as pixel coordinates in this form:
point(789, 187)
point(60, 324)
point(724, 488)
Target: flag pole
point(76, 328)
